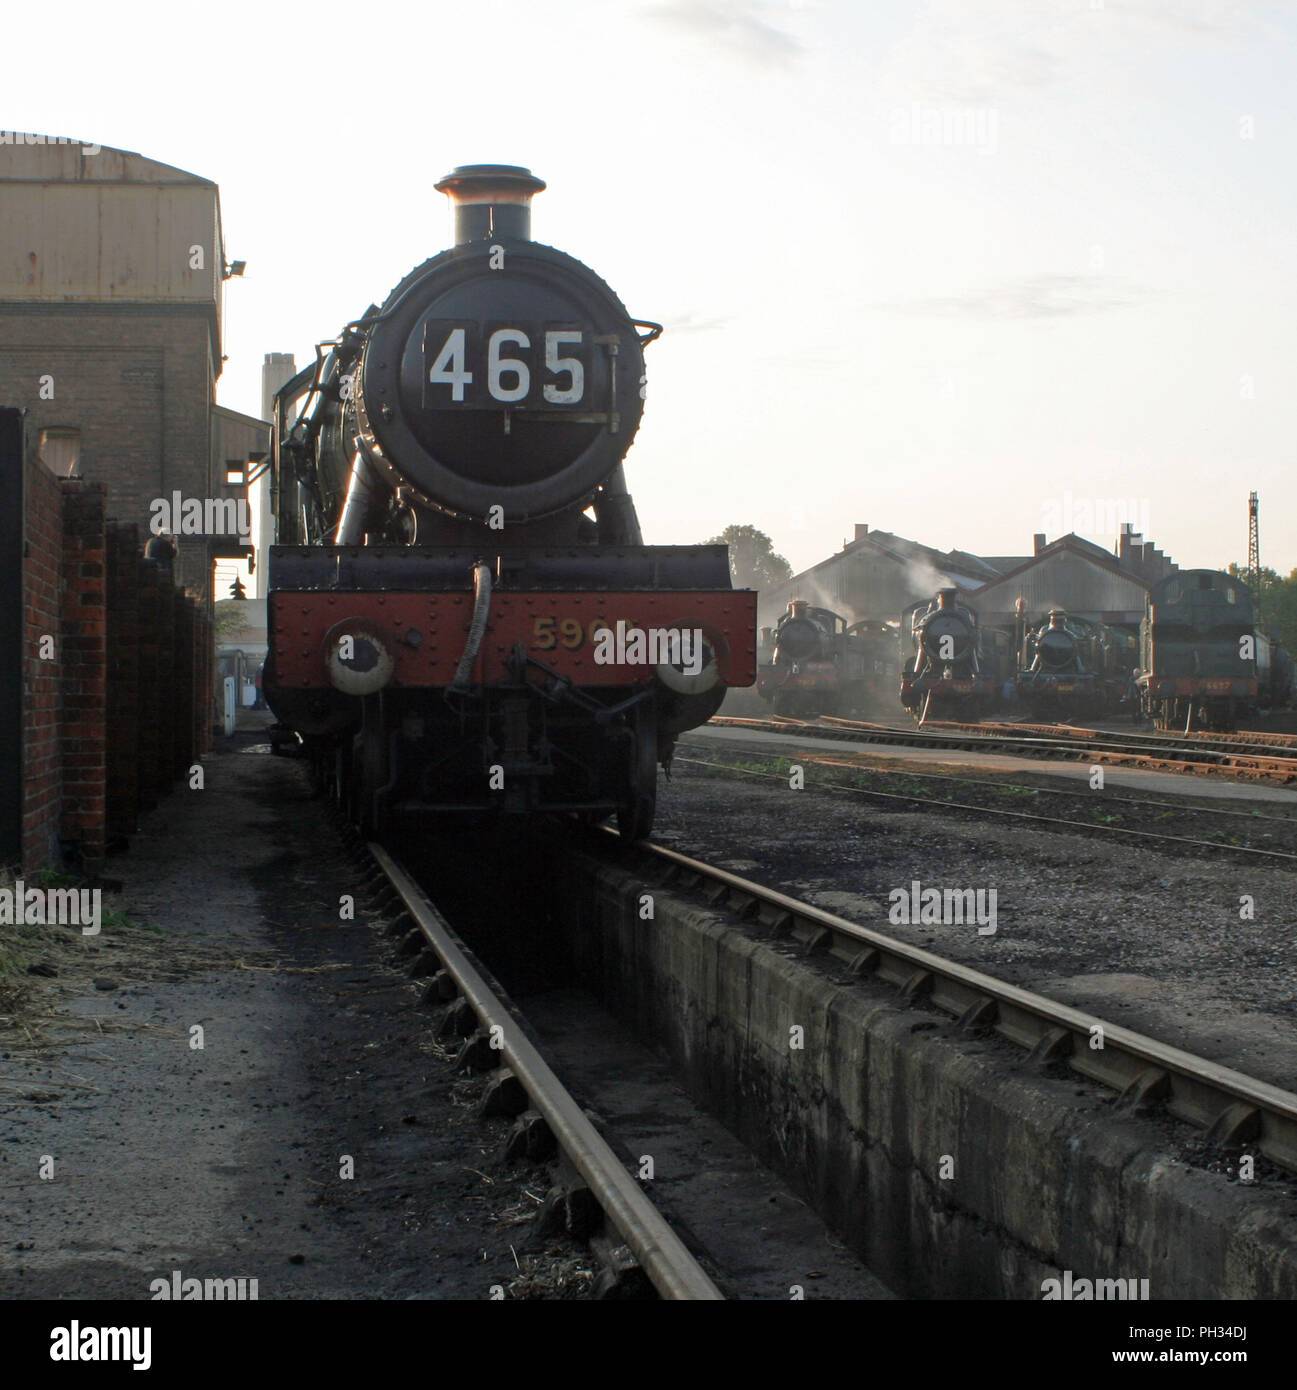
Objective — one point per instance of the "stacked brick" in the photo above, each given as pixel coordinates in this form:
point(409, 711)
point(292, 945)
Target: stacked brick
point(83, 672)
point(42, 583)
point(117, 701)
point(123, 547)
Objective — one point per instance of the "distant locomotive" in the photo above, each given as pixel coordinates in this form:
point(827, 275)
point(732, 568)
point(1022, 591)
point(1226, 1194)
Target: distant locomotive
point(1198, 652)
point(878, 643)
point(957, 670)
point(1274, 673)
point(463, 616)
point(813, 662)
point(1059, 668)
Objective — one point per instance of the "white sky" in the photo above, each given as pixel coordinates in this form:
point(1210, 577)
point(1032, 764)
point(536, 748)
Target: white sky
point(945, 339)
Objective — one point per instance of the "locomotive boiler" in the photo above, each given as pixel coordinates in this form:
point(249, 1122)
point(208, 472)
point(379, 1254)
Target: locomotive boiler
point(951, 672)
point(803, 674)
point(1058, 672)
point(1198, 652)
point(814, 662)
point(463, 614)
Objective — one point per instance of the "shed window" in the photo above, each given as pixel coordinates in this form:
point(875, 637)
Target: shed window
point(60, 450)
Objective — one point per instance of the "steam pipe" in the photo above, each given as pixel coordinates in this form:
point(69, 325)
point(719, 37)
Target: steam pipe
point(355, 510)
point(476, 626)
point(618, 520)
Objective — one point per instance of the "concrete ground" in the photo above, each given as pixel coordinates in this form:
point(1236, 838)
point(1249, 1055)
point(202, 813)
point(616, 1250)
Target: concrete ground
point(232, 1160)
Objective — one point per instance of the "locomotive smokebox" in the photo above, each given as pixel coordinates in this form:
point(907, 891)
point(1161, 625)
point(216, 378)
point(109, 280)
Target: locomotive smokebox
point(491, 200)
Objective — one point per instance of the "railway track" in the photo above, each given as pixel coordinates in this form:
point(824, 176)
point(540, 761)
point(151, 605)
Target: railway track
point(1193, 746)
point(1231, 1110)
point(1239, 741)
point(1157, 753)
point(659, 1251)
point(1003, 812)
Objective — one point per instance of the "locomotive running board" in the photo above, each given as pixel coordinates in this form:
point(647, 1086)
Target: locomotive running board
point(446, 569)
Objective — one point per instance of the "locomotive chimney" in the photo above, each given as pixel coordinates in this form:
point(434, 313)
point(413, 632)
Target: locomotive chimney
point(491, 200)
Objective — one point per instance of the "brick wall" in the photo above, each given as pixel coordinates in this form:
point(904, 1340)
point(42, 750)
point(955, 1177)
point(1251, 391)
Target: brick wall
point(150, 744)
point(84, 672)
point(120, 704)
point(138, 382)
point(123, 710)
point(204, 696)
point(166, 678)
point(42, 758)
point(183, 684)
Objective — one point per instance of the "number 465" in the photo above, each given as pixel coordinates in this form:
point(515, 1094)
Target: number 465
point(450, 367)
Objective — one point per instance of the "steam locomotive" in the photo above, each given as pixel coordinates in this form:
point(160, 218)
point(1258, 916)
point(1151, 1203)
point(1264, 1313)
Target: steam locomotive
point(463, 615)
point(957, 669)
point(814, 662)
point(1072, 667)
point(1057, 674)
point(1198, 652)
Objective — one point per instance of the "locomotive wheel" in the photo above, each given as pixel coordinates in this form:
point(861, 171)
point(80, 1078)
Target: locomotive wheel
point(636, 808)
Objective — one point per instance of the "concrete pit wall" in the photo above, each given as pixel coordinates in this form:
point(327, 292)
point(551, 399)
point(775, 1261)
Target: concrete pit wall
point(880, 1099)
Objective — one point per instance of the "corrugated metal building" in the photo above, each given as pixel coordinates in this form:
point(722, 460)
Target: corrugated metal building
point(1079, 576)
point(876, 575)
point(111, 273)
point(879, 574)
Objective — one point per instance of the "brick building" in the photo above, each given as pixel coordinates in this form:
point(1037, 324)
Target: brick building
point(111, 282)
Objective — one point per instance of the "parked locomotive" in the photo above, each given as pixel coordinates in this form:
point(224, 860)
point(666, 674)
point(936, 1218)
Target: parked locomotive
point(956, 670)
point(814, 662)
point(879, 644)
point(1274, 673)
point(1057, 675)
point(1198, 664)
point(463, 616)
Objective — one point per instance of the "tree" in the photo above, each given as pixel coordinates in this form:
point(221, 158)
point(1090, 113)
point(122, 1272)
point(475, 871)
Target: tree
point(1275, 600)
point(231, 616)
point(753, 562)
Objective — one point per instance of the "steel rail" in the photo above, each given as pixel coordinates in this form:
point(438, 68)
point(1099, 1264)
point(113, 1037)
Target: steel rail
point(1239, 739)
point(1213, 750)
point(662, 1255)
point(1199, 808)
point(966, 738)
point(1004, 811)
point(1235, 1110)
